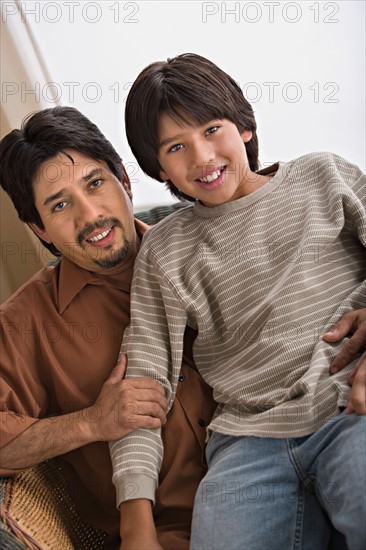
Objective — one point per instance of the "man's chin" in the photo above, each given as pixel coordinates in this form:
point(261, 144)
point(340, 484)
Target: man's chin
point(115, 258)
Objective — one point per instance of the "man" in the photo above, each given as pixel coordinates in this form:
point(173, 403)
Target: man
point(61, 332)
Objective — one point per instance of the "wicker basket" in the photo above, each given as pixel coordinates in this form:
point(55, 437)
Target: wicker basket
point(38, 513)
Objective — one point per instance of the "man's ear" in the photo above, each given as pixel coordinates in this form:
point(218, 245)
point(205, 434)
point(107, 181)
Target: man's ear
point(247, 135)
point(126, 182)
point(41, 233)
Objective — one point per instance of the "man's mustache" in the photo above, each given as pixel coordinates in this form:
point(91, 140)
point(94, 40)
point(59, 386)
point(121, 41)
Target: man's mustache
point(100, 224)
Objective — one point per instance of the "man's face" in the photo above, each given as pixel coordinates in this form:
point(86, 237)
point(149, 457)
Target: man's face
point(85, 211)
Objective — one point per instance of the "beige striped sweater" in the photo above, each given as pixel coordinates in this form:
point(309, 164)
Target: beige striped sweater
point(260, 278)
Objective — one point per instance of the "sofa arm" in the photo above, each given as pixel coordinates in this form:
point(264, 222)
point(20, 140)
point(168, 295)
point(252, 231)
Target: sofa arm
point(37, 512)
point(158, 213)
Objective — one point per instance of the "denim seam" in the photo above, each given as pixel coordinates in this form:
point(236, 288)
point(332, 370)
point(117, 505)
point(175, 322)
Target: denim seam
point(301, 497)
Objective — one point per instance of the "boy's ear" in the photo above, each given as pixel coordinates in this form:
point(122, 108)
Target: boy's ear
point(41, 233)
point(247, 135)
point(164, 176)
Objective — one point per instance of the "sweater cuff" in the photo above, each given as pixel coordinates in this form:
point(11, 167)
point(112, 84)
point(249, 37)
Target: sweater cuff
point(137, 486)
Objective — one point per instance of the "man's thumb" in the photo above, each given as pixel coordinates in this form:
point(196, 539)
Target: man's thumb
point(119, 371)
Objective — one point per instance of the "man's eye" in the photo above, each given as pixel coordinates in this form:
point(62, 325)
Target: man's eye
point(59, 206)
point(212, 130)
point(96, 183)
point(175, 148)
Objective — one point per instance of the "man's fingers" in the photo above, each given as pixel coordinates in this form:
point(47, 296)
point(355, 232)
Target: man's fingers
point(348, 352)
point(142, 415)
point(357, 397)
point(147, 383)
point(343, 327)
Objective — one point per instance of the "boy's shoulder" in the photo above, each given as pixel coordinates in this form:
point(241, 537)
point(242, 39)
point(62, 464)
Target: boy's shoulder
point(323, 165)
point(325, 159)
point(175, 223)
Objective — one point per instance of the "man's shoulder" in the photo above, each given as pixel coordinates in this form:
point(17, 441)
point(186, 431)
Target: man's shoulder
point(39, 286)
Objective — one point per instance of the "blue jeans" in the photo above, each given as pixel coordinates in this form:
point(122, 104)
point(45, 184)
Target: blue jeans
point(285, 494)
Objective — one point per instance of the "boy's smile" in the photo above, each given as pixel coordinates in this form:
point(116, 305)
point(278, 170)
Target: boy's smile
point(207, 162)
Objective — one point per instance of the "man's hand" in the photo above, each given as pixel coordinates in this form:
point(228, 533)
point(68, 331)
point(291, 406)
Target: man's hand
point(124, 405)
point(357, 395)
point(121, 406)
point(353, 323)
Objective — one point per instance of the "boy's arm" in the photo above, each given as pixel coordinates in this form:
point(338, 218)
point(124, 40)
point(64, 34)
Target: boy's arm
point(137, 527)
point(154, 345)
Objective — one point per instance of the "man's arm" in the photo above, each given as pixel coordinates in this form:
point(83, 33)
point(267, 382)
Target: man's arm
point(354, 323)
point(121, 407)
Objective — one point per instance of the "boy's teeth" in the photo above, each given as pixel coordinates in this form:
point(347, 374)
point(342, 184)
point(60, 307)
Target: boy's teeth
point(100, 236)
point(211, 177)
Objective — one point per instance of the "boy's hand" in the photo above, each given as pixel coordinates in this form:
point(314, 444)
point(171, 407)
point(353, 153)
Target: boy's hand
point(357, 395)
point(353, 323)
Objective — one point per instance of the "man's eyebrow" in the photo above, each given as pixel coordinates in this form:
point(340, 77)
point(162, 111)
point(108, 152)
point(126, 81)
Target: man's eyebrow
point(52, 198)
point(92, 174)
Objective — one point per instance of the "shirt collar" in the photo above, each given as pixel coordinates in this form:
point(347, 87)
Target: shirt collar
point(72, 278)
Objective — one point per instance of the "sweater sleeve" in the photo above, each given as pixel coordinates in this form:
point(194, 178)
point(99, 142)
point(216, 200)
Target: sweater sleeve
point(154, 345)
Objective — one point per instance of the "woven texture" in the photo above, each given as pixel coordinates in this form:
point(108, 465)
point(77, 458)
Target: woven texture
point(38, 509)
point(156, 214)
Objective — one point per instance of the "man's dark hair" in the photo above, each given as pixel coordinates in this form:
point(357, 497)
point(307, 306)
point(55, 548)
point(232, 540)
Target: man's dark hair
point(185, 85)
point(44, 135)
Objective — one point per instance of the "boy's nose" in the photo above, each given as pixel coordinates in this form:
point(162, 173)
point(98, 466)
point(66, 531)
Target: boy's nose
point(202, 154)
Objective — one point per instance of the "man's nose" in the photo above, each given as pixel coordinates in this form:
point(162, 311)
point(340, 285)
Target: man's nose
point(87, 211)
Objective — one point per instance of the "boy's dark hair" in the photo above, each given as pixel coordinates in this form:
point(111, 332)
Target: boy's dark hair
point(187, 84)
point(44, 135)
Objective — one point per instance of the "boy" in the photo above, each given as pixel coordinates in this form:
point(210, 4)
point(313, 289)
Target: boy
point(261, 265)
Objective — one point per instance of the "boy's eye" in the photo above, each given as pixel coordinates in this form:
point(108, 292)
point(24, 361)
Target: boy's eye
point(175, 148)
point(212, 130)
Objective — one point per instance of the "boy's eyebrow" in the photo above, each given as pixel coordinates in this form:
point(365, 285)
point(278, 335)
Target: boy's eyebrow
point(168, 140)
point(87, 177)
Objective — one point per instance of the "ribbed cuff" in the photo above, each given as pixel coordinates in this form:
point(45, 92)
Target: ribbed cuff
point(137, 486)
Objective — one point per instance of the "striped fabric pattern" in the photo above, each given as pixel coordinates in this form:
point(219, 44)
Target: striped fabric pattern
point(260, 278)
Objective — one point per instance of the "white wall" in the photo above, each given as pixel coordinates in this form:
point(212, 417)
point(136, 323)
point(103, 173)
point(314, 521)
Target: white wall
point(301, 64)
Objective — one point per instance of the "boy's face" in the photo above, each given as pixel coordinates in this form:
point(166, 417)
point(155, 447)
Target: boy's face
point(85, 210)
point(208, 162)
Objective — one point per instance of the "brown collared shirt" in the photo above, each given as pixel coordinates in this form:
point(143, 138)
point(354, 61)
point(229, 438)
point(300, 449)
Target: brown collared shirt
point(61, 334)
